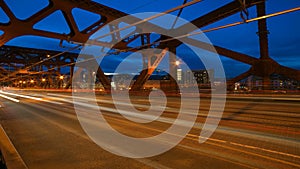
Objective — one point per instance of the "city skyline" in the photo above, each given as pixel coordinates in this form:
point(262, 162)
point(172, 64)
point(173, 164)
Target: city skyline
point(283, 32)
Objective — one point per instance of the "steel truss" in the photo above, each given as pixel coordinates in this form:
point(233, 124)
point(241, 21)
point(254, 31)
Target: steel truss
point(264, 66)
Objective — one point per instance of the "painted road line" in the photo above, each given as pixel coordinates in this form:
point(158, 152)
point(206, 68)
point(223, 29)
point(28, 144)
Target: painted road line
point(212, 140)
point(182, 123)
point(266, 150)
point(166, 120)
point(255, 154)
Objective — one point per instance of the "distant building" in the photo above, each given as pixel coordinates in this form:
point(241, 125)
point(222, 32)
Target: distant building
point(202, 77)
point(277, 82)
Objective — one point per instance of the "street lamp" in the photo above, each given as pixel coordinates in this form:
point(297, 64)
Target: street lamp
point(61, 77)
point(43, 80)
point(178, 70)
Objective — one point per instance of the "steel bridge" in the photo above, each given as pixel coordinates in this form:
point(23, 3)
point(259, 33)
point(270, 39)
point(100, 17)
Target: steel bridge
point(19, 62)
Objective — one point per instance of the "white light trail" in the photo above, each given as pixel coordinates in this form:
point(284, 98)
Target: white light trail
point(9, 98)
point(24, 96)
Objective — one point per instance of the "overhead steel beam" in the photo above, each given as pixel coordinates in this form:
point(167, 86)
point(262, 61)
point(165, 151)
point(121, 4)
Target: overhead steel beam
point(31, 56)
point(45, 52)
point(288, 72)
point(265, 66)
point(217, 15)
point(239, 77)
point(209, 18)
point(221, 51)
point(107, 15)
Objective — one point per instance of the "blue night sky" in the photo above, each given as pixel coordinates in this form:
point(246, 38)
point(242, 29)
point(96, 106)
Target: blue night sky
point(284, 37)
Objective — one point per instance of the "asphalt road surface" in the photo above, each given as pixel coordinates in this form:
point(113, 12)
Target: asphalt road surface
point(254, 132)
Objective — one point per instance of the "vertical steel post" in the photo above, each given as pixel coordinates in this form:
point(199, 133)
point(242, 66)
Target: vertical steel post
point(263, 43)
point(172, 68)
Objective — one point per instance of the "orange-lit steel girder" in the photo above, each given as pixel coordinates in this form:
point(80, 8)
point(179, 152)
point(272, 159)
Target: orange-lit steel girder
point(107, 15)
point(222, 51)
point(146, 73)
point(19, 58)
point(28, 56)
point(217, 15)
point(12, 54)
point(264, 66)
point(27, 25)
point(209, 18)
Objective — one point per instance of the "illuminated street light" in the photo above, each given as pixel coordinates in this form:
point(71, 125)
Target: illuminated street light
point(48, 56)
point(20, 81)
point(43, 80)
point(61, 77)
point(24, 82)
point(31, 81)
point(178, 71)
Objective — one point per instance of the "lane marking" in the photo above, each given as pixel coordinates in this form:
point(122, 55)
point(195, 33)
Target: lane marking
point(195, 137)
point(266, 150)
point(166, 120)
point(255, 154)
point(219, 157)
point(212, 139)
point(86, 137)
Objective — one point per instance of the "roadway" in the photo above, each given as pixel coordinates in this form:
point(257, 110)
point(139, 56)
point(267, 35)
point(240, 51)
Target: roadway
point(254, 132)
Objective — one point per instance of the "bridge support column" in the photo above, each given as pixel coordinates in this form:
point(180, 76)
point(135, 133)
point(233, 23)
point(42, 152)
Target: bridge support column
point(69, 85)
point(263, 43)
point(173, 68)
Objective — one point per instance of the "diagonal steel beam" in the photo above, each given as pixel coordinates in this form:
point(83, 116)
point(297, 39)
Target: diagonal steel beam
point(209, 18)
point(239, 77)
point(218, 14)
point(146, 73)
point(221, 51)
point(288, 72)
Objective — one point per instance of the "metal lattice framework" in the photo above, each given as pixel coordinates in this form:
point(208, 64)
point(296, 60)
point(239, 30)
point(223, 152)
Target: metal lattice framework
point(264, 66)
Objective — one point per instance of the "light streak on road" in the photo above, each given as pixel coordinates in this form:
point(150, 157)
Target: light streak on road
point(10, 98)
point(19, 95)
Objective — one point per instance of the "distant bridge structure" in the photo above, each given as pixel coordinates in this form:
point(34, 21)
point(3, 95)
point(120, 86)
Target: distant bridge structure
point(18, 62)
